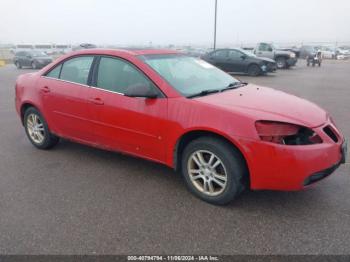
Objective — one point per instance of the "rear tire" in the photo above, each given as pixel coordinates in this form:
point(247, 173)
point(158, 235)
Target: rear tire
point(213, 170)
point(254, 70)
point(37, 130)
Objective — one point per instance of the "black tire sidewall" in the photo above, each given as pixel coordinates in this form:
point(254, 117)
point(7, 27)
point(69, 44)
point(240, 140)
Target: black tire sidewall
point(254, 70)
point(49, 139)
point(233, 164)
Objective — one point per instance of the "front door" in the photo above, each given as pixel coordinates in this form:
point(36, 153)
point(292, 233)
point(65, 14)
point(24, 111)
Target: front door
point(130, 124)
point(237, 61)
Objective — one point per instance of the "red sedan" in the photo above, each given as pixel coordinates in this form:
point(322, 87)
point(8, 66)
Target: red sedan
point(222, 134)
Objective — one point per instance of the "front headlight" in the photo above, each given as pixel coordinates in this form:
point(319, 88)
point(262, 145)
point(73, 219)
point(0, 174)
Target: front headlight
point(286, 133)
point(292, 55)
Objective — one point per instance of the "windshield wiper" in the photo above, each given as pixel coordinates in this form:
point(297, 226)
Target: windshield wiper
point(204, 93)
point(234, 85)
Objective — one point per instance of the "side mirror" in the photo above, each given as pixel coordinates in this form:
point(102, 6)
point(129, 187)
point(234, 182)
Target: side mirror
point(270, 49)
point(141, 90)
point(29, 56)
point(243, 57)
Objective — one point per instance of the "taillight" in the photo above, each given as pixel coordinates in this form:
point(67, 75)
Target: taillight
point(285, 133)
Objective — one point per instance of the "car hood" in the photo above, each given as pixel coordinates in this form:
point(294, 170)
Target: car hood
point(263, 103)
point(283, 52)
point(266, 59)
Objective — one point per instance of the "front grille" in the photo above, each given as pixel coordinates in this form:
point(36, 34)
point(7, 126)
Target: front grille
point(330, 132)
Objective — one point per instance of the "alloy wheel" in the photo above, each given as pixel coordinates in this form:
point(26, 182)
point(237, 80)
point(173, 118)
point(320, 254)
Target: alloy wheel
point(207, 172)
point(35, 128)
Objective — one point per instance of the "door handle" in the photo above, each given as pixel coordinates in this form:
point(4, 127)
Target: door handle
point(97, 101)
point(45, 89)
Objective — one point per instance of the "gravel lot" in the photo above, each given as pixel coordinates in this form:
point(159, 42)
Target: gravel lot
point(80, 200)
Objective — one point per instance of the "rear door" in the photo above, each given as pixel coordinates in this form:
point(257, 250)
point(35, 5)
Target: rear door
point(220, 59)
point(237, 61)
point(130, 124)
point(65, 91)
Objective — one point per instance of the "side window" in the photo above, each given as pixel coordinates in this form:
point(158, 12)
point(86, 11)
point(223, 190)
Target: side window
point(118, 76)
point(220, 54)
point(233, 54)
point(77, 69)
point(55, 73)
point(264, 47)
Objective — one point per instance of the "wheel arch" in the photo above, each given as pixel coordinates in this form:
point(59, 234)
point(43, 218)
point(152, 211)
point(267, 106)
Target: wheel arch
point(251, 64)
point(191, 135)
point(24, 108)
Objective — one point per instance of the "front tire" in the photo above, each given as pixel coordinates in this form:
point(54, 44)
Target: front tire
point(37, 130)
point(213, 170)
point(254, 70)
point(281, 62)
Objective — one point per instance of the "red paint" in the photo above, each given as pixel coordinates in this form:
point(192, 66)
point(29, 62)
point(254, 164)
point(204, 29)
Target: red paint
point(151, 128)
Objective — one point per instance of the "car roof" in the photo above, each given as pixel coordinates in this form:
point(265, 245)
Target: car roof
point(129, 51)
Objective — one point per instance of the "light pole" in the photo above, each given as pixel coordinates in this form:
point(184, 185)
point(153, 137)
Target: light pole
point(216, 9)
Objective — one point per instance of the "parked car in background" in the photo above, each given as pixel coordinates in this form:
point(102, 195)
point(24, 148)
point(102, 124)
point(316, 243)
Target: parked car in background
point(294, 49)
point(284, 59)
point(314, 58)
point(84, 46)
point(307, 51)
point(22, 47)
point(222, 134)
point(195, 52)
point(237, 60)
point(46, 48)
point(34, 59)
point(62, 48)
point(342, 53)
point(345, 49)
point(328, 52)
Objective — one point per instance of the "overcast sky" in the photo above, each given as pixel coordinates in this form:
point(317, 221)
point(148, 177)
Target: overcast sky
point(162, 22)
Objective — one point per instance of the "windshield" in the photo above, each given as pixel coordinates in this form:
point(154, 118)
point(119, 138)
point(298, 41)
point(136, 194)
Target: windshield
point(189, 75)
point(38, 53)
